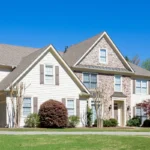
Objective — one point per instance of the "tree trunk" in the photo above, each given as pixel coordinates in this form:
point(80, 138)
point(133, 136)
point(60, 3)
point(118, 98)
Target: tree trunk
point(99, 123)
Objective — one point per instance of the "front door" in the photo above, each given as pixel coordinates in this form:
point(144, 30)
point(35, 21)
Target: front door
point(119, 112)
point(116, 111)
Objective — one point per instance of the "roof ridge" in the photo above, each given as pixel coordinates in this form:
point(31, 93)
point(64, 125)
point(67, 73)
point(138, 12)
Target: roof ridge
point(18, 46)
point(85, 40)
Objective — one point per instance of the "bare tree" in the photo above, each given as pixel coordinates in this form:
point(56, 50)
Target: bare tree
point(16, 96)
point(136, 60)
point(99, 105)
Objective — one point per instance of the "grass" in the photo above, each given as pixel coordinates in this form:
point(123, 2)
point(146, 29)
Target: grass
point(73, 142)
point(80, 129)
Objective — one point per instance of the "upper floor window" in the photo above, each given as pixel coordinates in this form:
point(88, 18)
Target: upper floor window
point(26, 106)
point(90, 80)
point(118, 83)
point(103, 56)
point(141, 86)
point(49, 74)
point(70, 107)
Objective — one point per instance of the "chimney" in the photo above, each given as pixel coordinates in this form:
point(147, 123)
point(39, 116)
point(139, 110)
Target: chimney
point(66, 47)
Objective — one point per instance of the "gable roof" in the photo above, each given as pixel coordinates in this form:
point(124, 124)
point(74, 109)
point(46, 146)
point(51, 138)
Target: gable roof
point(73, 53)
point(28, 61)
point(11, 55)
point(138, 71)
point(77, 52)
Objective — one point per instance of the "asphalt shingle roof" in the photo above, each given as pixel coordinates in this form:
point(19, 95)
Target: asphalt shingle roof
point(75, 52)
point(11, 55)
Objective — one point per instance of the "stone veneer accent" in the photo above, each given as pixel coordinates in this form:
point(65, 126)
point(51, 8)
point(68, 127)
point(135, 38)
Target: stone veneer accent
point(93, 57)
point(107, 81)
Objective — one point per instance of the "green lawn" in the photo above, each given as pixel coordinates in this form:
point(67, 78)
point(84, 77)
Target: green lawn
point(80, 129)
point(73, 142)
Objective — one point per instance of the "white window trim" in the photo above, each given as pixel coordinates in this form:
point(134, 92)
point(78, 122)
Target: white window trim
point(115, 83)
point(53, 74)
point(106, 56)
point(141, 87)
point(31, 106)
point(74, 99)
point(90, 73)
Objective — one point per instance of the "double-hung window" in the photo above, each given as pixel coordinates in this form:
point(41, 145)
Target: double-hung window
point(118, 83)
point(49, 74)
point(141, 86)
point(26, 106)
point(70, 107)
point(90, 80)
point(103, 56)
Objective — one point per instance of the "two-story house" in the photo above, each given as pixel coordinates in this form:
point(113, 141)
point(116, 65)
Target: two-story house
point(98, 63)
point(71, 78)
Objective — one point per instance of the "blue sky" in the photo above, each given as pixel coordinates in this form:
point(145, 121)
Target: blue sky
point(66, 22)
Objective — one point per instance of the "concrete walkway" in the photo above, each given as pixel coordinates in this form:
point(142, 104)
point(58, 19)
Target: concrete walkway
point(72, 133)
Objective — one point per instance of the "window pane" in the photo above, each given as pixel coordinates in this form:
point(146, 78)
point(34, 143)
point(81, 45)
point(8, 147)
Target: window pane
point(93, 85)
point(49, 70)
point(70, 104)
point(87, 84)
point(118, 87)
point(117, 80)
point(26, 106)
point(138, 90)
point(70, 112)
point(144, 90)
point(138, 83)
point(144, 83)
point(103, 52)
point(103, 59)
point(49, 79)
point(86, 77)
point(93, 78)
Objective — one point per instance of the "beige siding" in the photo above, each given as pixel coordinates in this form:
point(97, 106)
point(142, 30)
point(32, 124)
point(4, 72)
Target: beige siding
point(66, 88)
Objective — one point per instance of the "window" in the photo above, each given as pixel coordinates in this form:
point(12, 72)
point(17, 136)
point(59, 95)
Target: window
point(90, 80)
point(141, 86)
point(26, 106)
point(49, 77)
point(141, 113)
point(118, 83)
point(70, 107)
point(93, 112)
point(103, 56)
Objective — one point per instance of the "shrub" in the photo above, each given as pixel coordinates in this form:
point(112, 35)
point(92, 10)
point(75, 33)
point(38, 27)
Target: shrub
point(108, 123)
point(53, 114)
point(32, 120)
point(146, 123)
point(114, 122)
point(73, 121)
point(134, 122)
point(89, 117)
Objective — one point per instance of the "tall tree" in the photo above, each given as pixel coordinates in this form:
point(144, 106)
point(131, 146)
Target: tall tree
point(146, 64)
point(127, 58)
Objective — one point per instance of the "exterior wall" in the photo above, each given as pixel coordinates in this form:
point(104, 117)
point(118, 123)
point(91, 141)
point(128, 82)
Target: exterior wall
point(3, 73)
point(93, 57)
point(107, 82)
point(66, 88)
point(137, 98)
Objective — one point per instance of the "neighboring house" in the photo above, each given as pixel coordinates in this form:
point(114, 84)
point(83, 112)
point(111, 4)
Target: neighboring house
point(98, 63)
point(71, 78)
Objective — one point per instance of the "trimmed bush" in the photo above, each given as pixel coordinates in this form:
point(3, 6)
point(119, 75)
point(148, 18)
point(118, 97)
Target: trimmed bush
point(53, 114)
point(146, 123)
point(32, 120)
point(73, 121)
point(134, 122)
point(108, 123)
point(89, 117)
point(114, 122)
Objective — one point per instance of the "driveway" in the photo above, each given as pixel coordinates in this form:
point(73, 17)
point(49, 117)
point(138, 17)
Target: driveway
point(72, 133)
